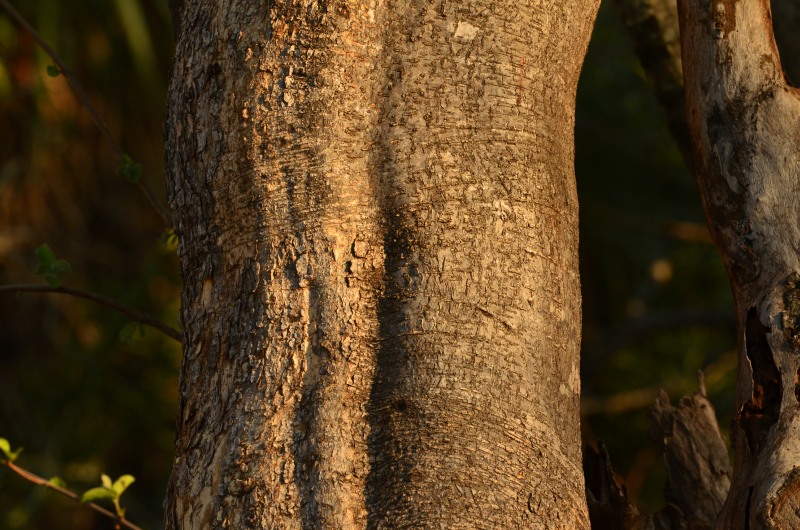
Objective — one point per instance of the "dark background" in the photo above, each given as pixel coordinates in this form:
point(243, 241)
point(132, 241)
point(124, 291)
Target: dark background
point(657, 307)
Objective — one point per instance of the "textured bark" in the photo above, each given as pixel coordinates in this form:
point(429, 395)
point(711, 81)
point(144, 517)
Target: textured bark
point(698, 472)
point(378, 223)
point(745, 125)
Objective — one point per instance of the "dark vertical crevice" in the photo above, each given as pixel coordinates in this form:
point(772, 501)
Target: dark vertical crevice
point(747, 508)
point(389, 408)
point(387, 401)
point(392, 359)
point(761, 412)
point(797, 384)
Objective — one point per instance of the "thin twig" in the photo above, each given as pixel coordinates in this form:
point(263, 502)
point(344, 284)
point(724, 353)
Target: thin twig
point(39, 481)
point(135, 314)
point(86, 102)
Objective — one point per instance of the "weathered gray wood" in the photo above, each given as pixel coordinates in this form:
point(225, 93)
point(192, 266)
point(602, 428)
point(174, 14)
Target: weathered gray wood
point(698, 472)
point(378, 223)
point(698, 469)
point(745, 126)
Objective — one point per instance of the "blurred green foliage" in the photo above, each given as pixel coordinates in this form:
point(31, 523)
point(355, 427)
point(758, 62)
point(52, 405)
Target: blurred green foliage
point(81, 401)
point(656, 301)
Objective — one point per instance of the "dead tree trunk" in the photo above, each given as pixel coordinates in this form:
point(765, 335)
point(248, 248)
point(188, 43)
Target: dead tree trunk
point(653, 28)
point(745, 126)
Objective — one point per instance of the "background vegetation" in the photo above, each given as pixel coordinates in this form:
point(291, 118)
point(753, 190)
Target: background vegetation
point(82, 402)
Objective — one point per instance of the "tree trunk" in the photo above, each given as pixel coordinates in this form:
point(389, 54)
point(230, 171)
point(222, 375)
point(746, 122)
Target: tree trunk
point(745, 126)
point(378, 223)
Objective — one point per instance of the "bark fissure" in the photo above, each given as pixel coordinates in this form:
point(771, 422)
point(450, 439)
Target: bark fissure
point(761, 411)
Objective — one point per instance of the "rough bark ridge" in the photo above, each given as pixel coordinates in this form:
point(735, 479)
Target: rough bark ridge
point(378, 224)
point(745, 125)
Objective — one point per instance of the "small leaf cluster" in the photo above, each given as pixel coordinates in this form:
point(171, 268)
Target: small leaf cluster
point(110, 491)
point(130, 331)
point(130, 169)
point(49, 267)
point(169, 238)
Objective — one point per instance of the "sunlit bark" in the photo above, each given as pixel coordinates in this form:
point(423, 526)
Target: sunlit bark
point(378, 223)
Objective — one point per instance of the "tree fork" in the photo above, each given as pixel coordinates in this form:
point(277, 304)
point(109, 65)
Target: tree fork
point(744, 121)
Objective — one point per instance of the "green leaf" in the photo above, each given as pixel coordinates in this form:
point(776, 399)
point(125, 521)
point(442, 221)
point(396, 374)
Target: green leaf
point(98, 494)
point(128, 331)
point(49, 267)
point(45, 255)
point(106, 480)
point(5, 448)
point(122, 483)
point(61, 266)
point(52, 279)
point(53, 71)
point(58, 482)
point(130, 169)
point(169, 237)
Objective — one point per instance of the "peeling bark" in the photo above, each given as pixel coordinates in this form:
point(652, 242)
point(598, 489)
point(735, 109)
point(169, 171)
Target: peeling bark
point(378, 223)
point(745, 125)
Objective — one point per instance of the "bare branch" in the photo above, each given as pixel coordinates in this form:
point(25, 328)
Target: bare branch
point(135, 314)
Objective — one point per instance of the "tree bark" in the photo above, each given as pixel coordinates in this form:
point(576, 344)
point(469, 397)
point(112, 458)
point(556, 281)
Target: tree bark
point(745, 125)
point(378, 238)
